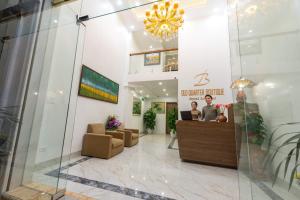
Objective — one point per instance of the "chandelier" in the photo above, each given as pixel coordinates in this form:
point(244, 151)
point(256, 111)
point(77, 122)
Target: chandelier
point(164, 20)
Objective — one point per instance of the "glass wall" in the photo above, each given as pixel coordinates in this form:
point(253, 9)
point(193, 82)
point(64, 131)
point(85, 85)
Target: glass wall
point(38, 52)
point(265, 44)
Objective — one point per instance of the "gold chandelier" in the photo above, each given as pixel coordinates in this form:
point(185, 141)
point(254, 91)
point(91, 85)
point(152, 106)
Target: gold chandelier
point(164, 20)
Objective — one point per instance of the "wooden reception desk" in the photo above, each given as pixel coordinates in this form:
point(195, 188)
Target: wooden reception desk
point(209, 143)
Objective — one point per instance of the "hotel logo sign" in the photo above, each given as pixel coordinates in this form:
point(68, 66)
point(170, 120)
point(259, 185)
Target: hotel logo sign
point(202, 79)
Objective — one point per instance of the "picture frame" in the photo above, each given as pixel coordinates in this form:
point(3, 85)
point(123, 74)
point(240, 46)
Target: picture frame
point(96, 86)
point(137, 108)
point(152, 59)
point(171, 62)
point(159, 107)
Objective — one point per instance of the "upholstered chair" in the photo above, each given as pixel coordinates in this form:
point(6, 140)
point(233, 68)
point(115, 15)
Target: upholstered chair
point(100, 143)
point(131, 136)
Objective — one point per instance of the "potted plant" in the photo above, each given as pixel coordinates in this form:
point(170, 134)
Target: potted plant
point(150, 120)
point(112, 123)
point(291, 160)
point(172, 118)
point(3, 139)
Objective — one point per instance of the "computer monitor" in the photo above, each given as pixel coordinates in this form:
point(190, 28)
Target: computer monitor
point(186, 115)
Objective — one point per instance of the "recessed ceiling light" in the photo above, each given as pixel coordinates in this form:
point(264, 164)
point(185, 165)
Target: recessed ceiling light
point(151, 47)
point(216, 10)
point(132, 27)
point(145, 33)
point(119, 2)
point(147, 95)
point(137, 3)
point(270, 85)
point(164, 90)
point(141, 91)
point(250, 31)
point(167, 94)
point(55, 21)
point(160, 83)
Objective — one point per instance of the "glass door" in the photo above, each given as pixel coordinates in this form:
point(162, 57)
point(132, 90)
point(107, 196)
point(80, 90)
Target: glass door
point(37, 123)
point(264, 41)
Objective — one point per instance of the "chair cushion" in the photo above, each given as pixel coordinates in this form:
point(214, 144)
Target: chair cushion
point(116, 142)
point(96, 128)
point(135, 136)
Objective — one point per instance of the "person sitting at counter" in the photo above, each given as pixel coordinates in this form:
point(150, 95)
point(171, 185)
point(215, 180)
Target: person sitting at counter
point(209, 112)
point(196, 114)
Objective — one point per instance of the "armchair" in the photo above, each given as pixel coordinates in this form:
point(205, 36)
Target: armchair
point(102, 144)
point(131, 136)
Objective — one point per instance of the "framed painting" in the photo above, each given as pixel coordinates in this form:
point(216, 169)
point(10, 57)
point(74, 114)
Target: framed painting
point(159, 107)
point(151, 59)
point(137, 108)
point(171, 62)
point(96, 86)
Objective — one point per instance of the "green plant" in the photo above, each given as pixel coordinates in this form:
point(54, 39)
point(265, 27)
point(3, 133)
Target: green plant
point(150, 119)
point(172, 117)
point(292, 140)
point(255, 127)
point(3, 139)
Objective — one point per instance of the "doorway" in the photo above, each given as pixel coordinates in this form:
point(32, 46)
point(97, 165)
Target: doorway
point(170, 107)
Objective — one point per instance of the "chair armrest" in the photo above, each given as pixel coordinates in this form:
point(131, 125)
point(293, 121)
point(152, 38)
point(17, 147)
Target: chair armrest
point(116, 134)
point(133, 130)
point(95, 142)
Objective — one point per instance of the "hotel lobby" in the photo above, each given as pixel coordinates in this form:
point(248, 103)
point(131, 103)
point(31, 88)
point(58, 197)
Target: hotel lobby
point(149, 99)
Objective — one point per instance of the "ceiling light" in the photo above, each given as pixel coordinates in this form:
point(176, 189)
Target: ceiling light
point(141, 91)
point(160, 83)
point(164, 90)
point(216, 10)
point(132, 27)
point(270, 85)
point(250, 31)
point(164, 20)
point(137, 3)
point(251, 9)
point(242, 83)
point(147, 95)
point(119, 2)
point(151, 47)
point(167, 94)
point(145, 33)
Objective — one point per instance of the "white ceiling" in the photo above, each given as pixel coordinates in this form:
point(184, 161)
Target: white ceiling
point(152, 89)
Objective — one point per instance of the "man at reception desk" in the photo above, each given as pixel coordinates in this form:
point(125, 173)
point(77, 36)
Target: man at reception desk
point(209, 112)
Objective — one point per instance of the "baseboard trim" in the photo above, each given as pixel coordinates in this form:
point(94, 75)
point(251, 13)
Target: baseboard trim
point(55, 161)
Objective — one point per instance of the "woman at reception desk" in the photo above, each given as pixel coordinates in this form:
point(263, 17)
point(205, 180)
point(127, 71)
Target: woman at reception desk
point(208, 142)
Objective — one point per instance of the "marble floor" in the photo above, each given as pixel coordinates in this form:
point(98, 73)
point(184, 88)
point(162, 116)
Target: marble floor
point(150, 171)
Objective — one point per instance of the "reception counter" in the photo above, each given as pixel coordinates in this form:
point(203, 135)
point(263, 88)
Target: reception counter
point(209, 143)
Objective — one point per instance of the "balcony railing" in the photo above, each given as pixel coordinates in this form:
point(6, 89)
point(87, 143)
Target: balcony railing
point(154, 61)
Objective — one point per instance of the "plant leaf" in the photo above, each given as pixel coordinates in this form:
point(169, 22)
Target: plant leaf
point(276, 173)
point(287, 162)
point(293, 176)
point(297, 151)
point(278, 127)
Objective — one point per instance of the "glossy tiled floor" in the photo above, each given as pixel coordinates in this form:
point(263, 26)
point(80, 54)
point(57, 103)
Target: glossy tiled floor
point(151, 171)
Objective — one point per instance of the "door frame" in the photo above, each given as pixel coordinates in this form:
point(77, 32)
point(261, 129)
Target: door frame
point(167, 114)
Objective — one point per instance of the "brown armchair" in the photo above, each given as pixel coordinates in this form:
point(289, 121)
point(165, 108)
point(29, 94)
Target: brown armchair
point(131, 136)
point(102, 144)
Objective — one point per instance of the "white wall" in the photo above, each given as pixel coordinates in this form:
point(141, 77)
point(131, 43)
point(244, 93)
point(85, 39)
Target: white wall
point(204, 47)
point(130, 120)
point(106, 51)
